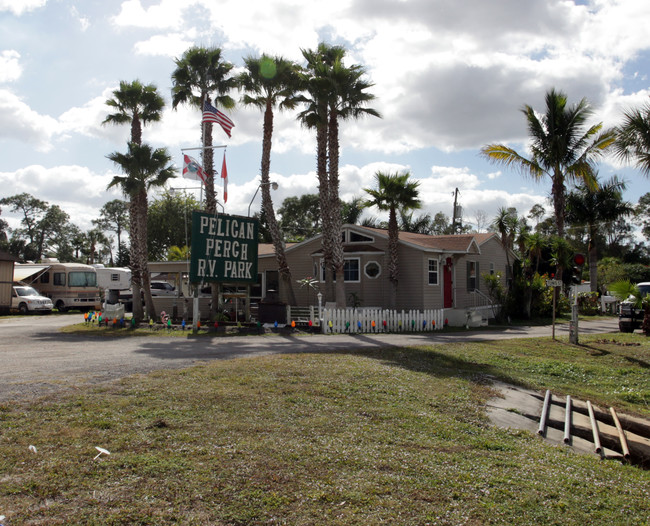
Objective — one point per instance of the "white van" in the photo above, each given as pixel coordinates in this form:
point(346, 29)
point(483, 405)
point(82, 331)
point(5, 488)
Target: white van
point(26, 299)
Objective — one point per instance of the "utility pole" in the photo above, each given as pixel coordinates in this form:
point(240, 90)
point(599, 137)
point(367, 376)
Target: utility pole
point(457, 215)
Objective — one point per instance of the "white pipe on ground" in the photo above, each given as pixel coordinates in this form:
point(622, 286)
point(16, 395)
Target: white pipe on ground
point(542, 418)
point(621, 434)
point(594, 428)
point(567, 421)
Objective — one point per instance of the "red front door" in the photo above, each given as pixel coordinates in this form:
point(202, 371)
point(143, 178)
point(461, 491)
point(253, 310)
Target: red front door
point(447, 285)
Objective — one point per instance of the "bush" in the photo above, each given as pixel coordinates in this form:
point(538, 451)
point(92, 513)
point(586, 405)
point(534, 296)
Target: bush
point(588, 303)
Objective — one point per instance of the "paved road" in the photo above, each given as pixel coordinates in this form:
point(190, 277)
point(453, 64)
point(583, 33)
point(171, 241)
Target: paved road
point(36, 359)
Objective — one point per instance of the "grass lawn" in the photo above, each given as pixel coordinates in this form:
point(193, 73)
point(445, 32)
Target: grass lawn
point(397, 436)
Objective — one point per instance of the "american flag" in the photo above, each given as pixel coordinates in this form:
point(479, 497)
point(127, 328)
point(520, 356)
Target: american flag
point(212, 114)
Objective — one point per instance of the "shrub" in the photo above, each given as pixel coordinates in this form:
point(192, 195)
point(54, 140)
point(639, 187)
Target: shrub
point(588, 303)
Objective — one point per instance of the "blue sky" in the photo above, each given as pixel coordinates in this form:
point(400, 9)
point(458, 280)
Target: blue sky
point(449, 78)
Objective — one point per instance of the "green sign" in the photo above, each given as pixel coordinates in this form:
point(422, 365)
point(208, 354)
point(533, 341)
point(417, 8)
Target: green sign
point(224, 248)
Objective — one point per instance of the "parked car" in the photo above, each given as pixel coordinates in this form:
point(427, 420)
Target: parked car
point(26, 299)
point(630, 316)
point(162, 288)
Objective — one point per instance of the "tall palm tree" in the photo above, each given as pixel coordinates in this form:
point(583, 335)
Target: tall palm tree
point(535, 244)
point(505, 223)
point(347, 100)
point(563, 147)
point(595, 209)
point(317, 86)
point(271, 82)
point(633, 140)
point(135, 104)
point(200, 73)
point(394, 192)
point(143, 168)
point(335, 92)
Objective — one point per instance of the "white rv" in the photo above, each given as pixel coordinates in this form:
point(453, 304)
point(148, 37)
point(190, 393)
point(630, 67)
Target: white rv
point(68, 285)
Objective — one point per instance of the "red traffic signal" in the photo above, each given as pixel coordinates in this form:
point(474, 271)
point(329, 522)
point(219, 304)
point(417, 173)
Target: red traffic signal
point(579, 260)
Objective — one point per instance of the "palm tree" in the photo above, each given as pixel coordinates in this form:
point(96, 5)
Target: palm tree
point(393, 192)
point(418, 225)
point(633, 140)
point(199, 73)
point(563, 147)
point(316, 84)
point(135, 104)
point(347, 100)
point(594, 209)
point(335, 93)
point(352, 210)
point(271, 82)
point(505, 223)
point(535, 244)
point(143, 168)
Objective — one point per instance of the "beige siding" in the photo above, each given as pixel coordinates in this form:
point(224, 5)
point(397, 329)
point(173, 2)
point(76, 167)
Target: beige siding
point(414, 291)
point(492, 252)
point(432, 295)
point(6, 280)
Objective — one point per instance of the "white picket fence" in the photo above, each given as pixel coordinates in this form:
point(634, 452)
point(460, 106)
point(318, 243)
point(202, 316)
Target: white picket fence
point(380, 320)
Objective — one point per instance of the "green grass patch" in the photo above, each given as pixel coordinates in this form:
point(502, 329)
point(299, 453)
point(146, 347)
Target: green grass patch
point(393, 436)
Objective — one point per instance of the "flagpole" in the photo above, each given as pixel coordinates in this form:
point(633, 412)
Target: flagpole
point(204, 148)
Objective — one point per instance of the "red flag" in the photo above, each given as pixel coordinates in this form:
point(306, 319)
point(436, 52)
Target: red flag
point(224, 176)
point(212, 114)
point(192, 169)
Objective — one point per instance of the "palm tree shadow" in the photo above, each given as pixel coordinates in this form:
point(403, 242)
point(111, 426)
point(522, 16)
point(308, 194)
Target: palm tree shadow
point(425, 359)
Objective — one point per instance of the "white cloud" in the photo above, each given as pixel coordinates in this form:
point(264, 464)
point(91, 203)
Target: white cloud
point(84, 22)
point(169, 45)
point(10, 68)
point(166, 15)
point(18, 7)
point(19, 122)
point(76, 189)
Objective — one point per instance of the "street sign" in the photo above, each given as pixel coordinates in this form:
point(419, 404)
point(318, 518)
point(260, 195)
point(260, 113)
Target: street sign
point(224, 248)
point(553, 282)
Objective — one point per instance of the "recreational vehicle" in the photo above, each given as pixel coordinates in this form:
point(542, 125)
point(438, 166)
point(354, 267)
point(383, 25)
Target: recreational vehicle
point(68, 285)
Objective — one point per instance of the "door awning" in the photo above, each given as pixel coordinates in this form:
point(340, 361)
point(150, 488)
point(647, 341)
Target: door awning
point(22, 272)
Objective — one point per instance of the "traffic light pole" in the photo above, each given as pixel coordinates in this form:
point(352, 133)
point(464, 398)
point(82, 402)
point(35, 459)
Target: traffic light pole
point(573, 326)
point(578, 261)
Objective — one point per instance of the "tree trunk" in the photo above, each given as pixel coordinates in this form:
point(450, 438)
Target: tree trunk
point(393, 264)
point(287, 294)
point(323, 197)
point(134, 263)
point(143, 254)
point(557, 192)
point(334, 210)
point(210, 194)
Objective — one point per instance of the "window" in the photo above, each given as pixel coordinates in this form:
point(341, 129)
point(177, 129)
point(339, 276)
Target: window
point(433, 272)
point(45, 278)
point(472, 275)
point(351, 270)
point(372, 269)
point(59, 279)
point(491, 269)
point(355, 237)
point(82, 279)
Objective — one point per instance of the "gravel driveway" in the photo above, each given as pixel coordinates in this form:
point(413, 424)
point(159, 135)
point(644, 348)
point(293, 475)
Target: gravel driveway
point(37, 359)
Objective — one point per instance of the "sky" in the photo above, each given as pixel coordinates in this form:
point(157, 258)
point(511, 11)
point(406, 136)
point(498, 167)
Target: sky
point(449, 77)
